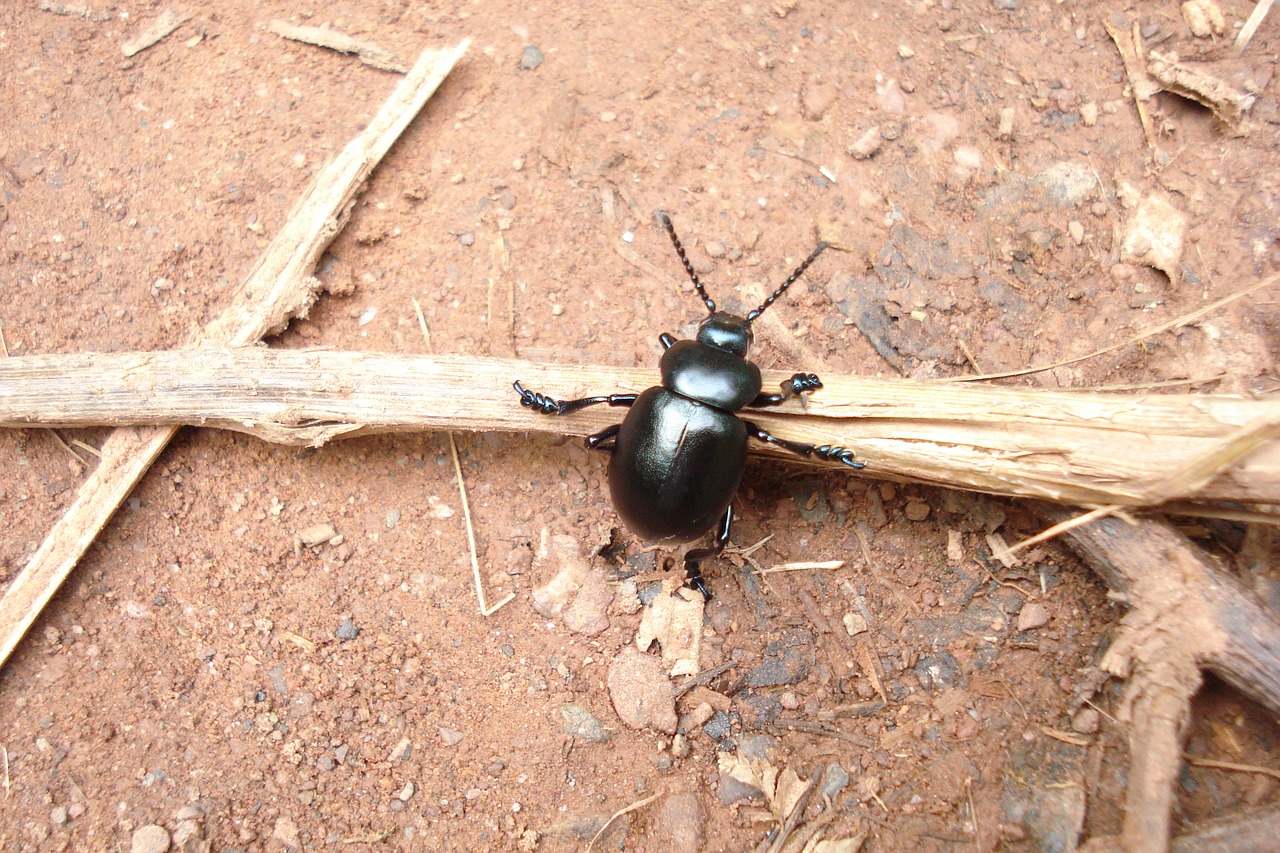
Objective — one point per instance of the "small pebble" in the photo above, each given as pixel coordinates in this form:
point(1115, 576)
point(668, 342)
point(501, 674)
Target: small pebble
point(58, 816)
point(531, 57)
point(347, 630)
point(867, 145)
point(467, 238)
point(316, 534)
point(854, 624)
point(1076, 230)
point(917, 510)
point(681, 824)
point(628, 237)
point(450, 737)
point(150, 839)
point(905, 52)
point(1007, 115)
point(1033, 615)
point(1086, 721)
point(1089, 114)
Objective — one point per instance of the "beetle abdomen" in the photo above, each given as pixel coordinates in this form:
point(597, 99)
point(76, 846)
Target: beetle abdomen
point(676, 466)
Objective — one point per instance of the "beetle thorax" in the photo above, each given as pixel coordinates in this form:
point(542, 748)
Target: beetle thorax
point(710, 374)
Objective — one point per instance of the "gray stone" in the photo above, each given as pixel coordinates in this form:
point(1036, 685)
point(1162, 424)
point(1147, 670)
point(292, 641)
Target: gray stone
point(582, 724)
point(531, 57)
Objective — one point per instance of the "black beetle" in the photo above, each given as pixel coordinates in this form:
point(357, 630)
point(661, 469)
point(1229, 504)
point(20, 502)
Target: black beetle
point(678, 456)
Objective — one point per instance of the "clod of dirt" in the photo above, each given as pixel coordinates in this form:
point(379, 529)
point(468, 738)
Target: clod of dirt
point(787, 661)
point(640, 691)
point(1156, 232)
point(816, 97)
point(286, 833)
point(552, 598)
point(674, 620)
point(588, 614)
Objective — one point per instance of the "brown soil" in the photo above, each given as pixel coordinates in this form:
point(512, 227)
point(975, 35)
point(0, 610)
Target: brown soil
point(199, 659)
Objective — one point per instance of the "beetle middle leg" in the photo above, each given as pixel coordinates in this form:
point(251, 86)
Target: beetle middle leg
point(693, 574)
point(800, 448)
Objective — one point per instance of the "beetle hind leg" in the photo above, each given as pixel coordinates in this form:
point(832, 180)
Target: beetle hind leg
point(693, 574)
point(597, 440)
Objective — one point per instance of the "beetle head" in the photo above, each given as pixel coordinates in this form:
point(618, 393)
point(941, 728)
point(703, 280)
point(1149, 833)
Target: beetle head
point(725, 331)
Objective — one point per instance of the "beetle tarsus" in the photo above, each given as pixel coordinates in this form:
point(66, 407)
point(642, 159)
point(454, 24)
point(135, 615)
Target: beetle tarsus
point(694, 580)
point(802, 382)
point(693, 574)
point(838, 454)
point(541, 402)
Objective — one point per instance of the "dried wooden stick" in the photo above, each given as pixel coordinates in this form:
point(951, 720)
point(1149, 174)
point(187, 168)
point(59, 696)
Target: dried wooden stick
point(1084, 448)
point(1251, 832)
point(1251, 25)
point(1186, 615)
point(279, 287)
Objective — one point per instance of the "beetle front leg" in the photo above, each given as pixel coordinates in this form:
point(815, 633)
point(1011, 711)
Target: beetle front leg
point(548, 406)
point(800, 448)
point(798, 384)
point(693, 574)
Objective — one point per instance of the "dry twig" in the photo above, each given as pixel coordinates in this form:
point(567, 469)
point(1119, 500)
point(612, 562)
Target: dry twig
point(1083, 448)
point(1185, 614)
point(279, 287)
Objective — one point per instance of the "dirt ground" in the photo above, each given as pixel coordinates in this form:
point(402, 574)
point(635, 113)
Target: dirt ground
point(203, 672)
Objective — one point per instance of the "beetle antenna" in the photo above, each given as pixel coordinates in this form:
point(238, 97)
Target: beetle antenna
point(688, 267)
point(782, 288)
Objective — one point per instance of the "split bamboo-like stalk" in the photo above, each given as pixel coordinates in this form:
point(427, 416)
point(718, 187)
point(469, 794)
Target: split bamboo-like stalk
point(1071, 447)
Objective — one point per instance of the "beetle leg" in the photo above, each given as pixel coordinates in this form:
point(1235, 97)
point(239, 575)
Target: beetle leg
point(596, 442)
point(822, 451)
point(798, 384)
point(693, 574)
point(548, 406)
point(667, 340)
